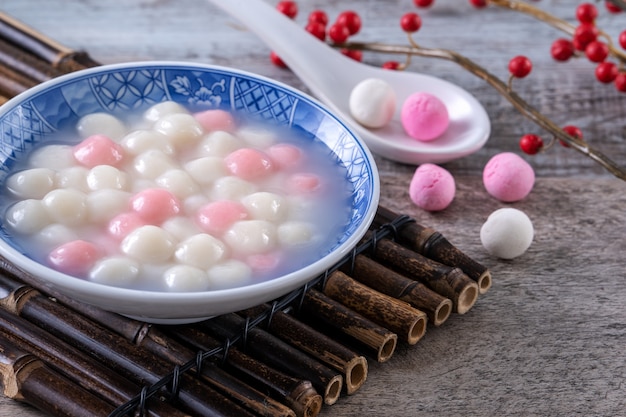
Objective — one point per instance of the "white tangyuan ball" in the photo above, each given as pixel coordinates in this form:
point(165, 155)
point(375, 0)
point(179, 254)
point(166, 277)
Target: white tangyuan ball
point(119, 271)
point(507, 233)
point(149, 244)
point(206, 170)
point(194, 203)
point(139, 141)
point(27, 216)
point(295, 233)
point(219, 143)
point(107, 177)
point(152, 163)
point(73, 177)
point(32, 183)
point(250, 237)
point(165, 108)
point(264, 205)
point(257, 137)
point(66, 206)
point(55, 157)
point(55, 235)
point(229, 274)
point(178, 182)
point(180, 128)
point(201, 250)
point(185, 278)
point(103, 205)
point(231, 188)
point(372, 102)
point(181, 227)
point(101, 124)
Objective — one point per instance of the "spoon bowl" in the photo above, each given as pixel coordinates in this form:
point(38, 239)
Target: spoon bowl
point(331, 77)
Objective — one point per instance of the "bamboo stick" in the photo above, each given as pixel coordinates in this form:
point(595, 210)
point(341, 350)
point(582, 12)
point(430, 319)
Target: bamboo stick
point(297, 393)
point(160, 344)
point(124, 358)
point(24, 377)
point(13, 83)
point(43, 47)
point(352, 365)
point(318, 308)
point(26, 64)
point(75, 365)
point(280, 355)
point(434, 245)
point(395, 315)
point(387, 281)
point(445, 280)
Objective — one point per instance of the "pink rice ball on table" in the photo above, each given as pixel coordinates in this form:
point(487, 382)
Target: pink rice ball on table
point(432, 187)
point(508, 178)
point(424, 117)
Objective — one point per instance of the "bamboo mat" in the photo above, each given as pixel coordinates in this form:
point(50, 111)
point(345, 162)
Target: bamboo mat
point(290, 357)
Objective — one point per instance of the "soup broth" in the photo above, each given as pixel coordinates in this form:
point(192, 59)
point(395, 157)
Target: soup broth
point(170, 200)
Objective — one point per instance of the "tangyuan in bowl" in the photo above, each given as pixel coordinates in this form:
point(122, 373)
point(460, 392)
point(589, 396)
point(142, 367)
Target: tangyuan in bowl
point(173, 192)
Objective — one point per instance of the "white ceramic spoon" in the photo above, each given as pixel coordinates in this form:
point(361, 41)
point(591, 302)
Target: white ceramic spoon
point(331, 76)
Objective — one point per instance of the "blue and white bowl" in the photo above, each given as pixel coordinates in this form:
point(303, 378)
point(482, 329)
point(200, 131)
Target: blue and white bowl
point(36, 115)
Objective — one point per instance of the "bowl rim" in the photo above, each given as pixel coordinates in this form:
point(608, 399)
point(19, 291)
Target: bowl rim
point(51, 277)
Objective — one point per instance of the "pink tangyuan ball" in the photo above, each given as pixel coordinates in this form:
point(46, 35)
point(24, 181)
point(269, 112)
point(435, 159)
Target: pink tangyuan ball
point(216, 217)
point(424, 116)
point(508, 177)
point(98, 150)
point(75, 257)
point(123, 224)
point(155, 205)
point(216, 119)
point(285, 155)
point(432, 187)
point(304, 183)
point(249, 164)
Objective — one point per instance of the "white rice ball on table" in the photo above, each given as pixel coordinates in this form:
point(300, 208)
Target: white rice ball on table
point(507, 233)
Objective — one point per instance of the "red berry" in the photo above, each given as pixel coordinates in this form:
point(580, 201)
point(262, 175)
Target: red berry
point(338, 33)
point(410, 22)
point(620, 82)
point(612, 8)
point(562, 49)
point(479, 4)
point(622, 39)
point(353, 53)
point(423, 3)
point(318, 16)
point(597, 51)
point(572, 131)
point(316, 29)
point(288, 8)
point(586, 13)
point(584, 34)
point(606, 72)
point(391, 65)
point(531, 144)
point(520, 66)
point(276, 60)
point(351, 20)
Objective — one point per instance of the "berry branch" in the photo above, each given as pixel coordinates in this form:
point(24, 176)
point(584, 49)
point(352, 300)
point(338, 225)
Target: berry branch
point(584, 39)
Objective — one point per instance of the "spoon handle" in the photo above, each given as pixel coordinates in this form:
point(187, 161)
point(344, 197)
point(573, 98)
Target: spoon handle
point(312, 60)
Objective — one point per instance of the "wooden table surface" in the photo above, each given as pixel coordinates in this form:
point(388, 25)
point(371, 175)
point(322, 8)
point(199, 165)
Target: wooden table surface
point(549, 338)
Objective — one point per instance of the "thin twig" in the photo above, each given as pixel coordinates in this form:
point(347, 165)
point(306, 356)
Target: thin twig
point(520, 104)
